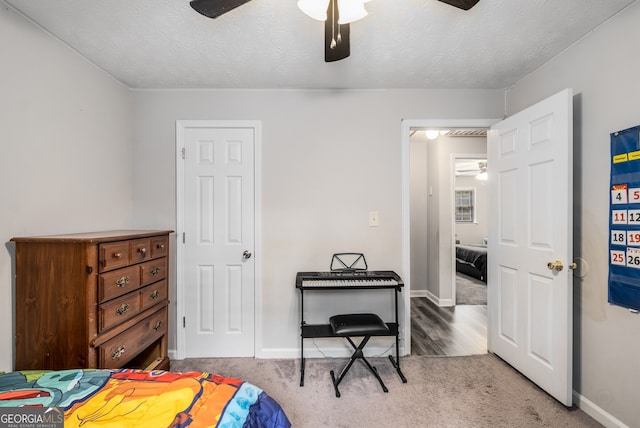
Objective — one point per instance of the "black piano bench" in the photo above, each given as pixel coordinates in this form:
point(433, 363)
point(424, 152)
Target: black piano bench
point(356, 325)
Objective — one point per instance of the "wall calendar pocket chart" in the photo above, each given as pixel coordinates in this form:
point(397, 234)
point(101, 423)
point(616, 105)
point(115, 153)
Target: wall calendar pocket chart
point(624, 219)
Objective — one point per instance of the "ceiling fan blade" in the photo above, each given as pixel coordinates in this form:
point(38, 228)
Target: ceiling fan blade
point(336, 37)
point(215, 8)
point(462, 4)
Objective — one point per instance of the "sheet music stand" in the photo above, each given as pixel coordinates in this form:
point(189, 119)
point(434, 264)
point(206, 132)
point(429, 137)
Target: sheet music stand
point(348, 262)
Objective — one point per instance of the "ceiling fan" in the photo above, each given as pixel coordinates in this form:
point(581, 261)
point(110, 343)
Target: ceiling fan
point(471, 168)
point(336, 36)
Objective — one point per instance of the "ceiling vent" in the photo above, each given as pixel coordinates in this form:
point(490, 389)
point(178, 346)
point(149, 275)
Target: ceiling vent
point(467, 133)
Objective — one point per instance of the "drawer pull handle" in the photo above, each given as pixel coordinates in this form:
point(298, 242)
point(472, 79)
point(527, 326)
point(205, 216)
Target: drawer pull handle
point(155, 271)
point(117, 256)
point(157, 325)
point(155, 294)
point(123, 281)
point(118, 353)
point(122, 309)
point(160, 246)
point(142, 251)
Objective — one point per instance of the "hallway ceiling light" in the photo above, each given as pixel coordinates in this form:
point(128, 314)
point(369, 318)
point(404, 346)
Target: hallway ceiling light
point(432, 134)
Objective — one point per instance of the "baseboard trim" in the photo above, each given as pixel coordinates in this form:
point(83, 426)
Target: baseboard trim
point(435, 299)
point(438, 301)
point(418, 293)
point(596, 412)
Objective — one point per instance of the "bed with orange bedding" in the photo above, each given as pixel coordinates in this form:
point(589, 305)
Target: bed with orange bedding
point(135, 398)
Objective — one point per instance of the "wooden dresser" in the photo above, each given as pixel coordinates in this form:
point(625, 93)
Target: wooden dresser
point(92, 300)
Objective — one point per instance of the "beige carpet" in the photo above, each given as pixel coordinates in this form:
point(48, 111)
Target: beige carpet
point(474, 391)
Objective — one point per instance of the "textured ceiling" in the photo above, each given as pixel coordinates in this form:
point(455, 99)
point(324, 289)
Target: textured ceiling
point(272, 44)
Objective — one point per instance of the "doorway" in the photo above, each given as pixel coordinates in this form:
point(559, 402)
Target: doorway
point(470, 223)
point(438, 327)
point(530, 235)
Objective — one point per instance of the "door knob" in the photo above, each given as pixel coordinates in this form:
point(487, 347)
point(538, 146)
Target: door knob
point(246, 254)
point(557, 265)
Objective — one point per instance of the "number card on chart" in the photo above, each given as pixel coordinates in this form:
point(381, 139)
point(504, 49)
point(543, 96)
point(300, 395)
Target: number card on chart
point(624, 219)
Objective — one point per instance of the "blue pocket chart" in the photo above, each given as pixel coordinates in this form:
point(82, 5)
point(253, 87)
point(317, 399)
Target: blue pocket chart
point(624, 219)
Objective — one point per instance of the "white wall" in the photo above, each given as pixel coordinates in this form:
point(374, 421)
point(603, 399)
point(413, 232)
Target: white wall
point(328, 158)
point(603, 70)
point(65, 141)
point(419, 193)
point(433, 221)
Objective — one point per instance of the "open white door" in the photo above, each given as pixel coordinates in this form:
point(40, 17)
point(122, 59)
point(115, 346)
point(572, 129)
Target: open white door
point(530, 282)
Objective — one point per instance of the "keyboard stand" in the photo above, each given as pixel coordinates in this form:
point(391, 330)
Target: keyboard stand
point(309, 331)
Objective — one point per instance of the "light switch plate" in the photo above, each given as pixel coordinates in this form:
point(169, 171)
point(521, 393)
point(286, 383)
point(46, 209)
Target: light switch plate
point(374, 219)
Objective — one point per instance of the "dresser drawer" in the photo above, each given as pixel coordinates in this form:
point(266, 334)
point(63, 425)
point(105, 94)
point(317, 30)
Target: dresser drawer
point(116, 352)
point(154, 293)
point(159, 247)
point(140, 250)
point(118, 282)
point(113, 255)
point(153, 271)
point(116, 311)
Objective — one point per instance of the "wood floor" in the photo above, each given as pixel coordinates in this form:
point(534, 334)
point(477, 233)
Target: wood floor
point(453, 331)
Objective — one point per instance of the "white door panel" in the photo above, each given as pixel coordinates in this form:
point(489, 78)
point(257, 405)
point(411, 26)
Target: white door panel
point(218, 213)
point(530, 305)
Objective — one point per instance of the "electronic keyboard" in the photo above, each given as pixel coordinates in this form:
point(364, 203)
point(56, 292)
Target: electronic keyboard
point(348, 279)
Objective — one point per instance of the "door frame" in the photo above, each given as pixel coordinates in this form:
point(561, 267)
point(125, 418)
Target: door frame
point(406, 125)
point(181, 125)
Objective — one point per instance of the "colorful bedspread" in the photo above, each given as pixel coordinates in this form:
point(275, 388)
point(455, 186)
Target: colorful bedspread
point(135, 398)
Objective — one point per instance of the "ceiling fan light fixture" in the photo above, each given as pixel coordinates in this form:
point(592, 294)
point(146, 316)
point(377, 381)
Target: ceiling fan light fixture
point(482, 175)
point(316, 9)
point(350, 11)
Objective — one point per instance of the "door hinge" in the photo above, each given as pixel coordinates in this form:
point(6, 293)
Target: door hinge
point(183, 238)
point(183, 152)
point(184, 322)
